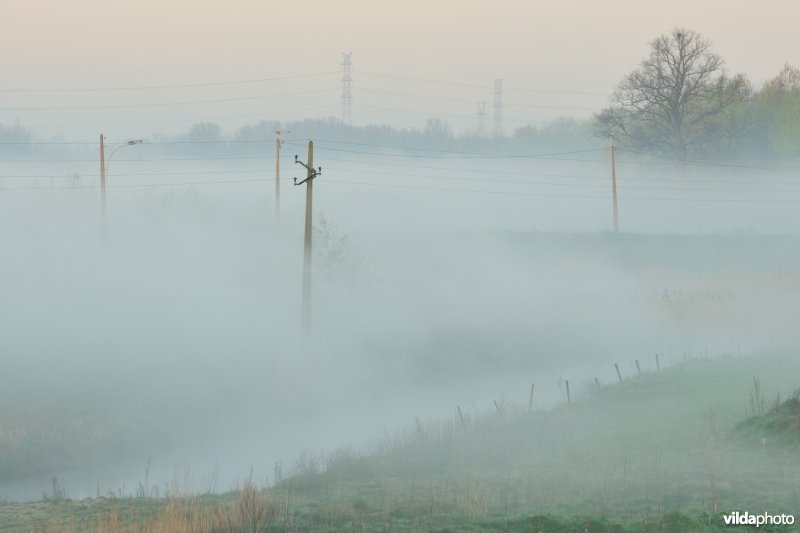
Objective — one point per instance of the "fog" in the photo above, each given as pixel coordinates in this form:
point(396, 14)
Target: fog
point(173, 336)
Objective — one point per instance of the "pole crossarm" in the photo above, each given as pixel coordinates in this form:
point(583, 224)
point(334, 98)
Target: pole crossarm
point(312, 172)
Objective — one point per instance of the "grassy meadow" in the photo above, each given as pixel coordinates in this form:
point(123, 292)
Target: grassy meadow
point(659, 451)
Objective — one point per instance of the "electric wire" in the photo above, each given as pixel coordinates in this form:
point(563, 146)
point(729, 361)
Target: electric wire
point(174, 86)
point(167, 104)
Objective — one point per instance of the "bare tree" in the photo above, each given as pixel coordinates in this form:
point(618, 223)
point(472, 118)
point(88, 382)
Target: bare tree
point(438, 129)
point(788, 80)
point(674, 103)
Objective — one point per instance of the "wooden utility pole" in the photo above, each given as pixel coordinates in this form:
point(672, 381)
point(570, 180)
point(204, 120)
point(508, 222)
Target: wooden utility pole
point(311, 173)
point(278, 143)
point(530, 399)
point(614, 182)
point(307, 240)
point(103, 182)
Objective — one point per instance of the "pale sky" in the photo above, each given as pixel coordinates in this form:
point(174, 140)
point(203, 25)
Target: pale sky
point(555, 57)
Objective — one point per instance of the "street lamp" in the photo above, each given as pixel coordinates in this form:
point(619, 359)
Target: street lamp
point(104, 168)
point(278, 143)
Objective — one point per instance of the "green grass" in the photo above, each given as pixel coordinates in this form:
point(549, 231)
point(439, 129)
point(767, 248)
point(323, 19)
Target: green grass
point(657, 443)
point(665, 451)
point(780, 425)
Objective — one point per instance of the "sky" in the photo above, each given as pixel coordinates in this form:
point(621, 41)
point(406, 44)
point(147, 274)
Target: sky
point(556, 58)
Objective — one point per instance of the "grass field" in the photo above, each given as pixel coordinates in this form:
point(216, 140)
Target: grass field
point(658, 452)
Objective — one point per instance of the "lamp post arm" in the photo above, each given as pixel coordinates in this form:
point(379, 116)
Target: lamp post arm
point(114, 151)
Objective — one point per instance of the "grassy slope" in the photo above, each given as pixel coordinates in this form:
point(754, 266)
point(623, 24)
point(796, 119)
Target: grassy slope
point(656, 443)
point(635, 452)
point(775, 425)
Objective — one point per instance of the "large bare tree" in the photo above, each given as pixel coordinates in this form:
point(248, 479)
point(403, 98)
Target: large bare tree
point(675, 103)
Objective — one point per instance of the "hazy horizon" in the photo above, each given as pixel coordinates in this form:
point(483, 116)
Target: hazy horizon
point(556, 59)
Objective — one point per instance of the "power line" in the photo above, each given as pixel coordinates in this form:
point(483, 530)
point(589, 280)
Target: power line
point(460, 101)
point(405, 147)
point(668, 161)
point(438, 176)
point(132, 186)
point(163, 104)
point(565, 184)
point(465, 155)
point(153, 87)
point(438, 150)
point(438, 114)
point(442, 189)
point(554, 91)
point(204, 119)
point(404, 165)
point(423, 80)
point(420, 96)
point(604, 197)
point(495, 156)
point(478, 86)
point(139, 174)
point(209, 158)
point(699, 179)
point(403, 186)
point(458, 154)
point(539, 106)
point(146, 143)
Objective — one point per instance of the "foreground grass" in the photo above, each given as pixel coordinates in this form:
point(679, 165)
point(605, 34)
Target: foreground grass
point(658, 452)
point(254, 511)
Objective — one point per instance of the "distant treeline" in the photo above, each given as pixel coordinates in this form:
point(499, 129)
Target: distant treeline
point(210, 138)
point(763, 126)
point(435, 135)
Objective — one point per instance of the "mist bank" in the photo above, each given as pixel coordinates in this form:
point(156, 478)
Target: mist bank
point(178, 340)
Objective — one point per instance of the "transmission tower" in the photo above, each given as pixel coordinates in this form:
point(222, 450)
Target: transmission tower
point(498, 108)
point(347, 89)
point(481, 119)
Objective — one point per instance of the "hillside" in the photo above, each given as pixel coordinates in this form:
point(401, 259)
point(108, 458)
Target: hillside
point(657, 452)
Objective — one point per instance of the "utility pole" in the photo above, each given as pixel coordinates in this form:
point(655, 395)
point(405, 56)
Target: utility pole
point(103, 171)
point(347, 89)
point(278, 143)
point(103, 184)
point(614, 181)
point(311, 173)
point(498, 108)
point(481, 118)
